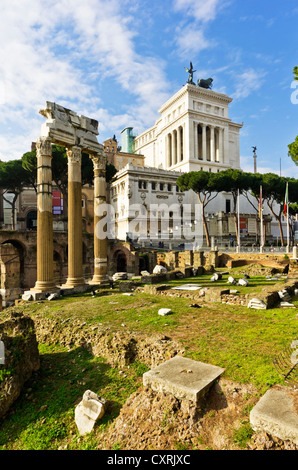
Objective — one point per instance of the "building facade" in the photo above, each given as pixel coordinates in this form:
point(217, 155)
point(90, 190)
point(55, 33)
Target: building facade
point(194, 132)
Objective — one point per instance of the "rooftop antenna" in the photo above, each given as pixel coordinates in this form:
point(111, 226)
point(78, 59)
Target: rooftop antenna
point(255, 158)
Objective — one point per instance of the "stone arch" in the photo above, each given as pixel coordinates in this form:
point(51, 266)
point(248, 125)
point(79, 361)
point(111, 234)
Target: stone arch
point(121, 257)
point(120, 261)
point(31, 219)
point(144, 264)
point(20, 252)
point(12, 254)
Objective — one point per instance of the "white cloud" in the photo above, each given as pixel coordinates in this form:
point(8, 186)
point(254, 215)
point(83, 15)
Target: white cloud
point(191, 42)
point(53, 52)
point(200, 10)
point(247, 82)
point(191, 38)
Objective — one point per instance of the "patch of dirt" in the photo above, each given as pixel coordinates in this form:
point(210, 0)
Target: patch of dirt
point(154, 420)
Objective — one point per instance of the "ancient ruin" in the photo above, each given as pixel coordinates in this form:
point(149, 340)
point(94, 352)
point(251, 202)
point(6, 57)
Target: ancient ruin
point(77, 134)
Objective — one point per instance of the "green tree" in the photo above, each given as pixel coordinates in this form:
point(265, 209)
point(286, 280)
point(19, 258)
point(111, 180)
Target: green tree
point(293, 151)
point(273, 190)
point(205, 185)
point(235, 182)
point(13, 179)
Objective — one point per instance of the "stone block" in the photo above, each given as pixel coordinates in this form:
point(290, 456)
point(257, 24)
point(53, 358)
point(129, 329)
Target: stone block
point(88, 411)
point(275, 413)
point(164, 311)
point(214, 294)
point(184, 378)
point(256, 303)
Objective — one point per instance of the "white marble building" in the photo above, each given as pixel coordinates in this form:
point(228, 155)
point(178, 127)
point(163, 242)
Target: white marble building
point(193, 133)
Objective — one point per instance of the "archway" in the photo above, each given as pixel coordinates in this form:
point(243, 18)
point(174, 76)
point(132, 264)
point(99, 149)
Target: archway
point(121, 262)
point(31, 220)
point(12, 270)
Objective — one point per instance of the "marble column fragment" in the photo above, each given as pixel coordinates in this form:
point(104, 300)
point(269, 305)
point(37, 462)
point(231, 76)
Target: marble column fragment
point(75, 240)
point(100, 215)
point(45, 257)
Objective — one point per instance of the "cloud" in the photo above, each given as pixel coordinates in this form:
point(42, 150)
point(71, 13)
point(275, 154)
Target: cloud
point(248, 82)
point(191, 38)
point(51, 52)
point(200, 10)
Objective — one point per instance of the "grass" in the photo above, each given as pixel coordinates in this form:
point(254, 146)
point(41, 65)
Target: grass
point(43, 416)
point(243, 341)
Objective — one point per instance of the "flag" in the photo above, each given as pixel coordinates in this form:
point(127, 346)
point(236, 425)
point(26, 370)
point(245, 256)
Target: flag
point(260, 203)
point(286, 201)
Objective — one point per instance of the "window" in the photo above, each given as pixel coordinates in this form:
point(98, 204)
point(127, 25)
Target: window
point(169, 187)
point(153, 186)
point(228, 205)
point(57, 203)
point(161, 186)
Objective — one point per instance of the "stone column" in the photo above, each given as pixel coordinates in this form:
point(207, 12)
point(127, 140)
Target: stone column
point(220, 155)
point(45, 255)
point(179, 144)
point(100, 237)
point(212, 144)
point(168, 150)
point(195, 131)
point(174, 148)
point(75, 243)
point(204, 146)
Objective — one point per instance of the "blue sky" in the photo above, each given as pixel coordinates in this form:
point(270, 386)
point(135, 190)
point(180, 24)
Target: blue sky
point(118, 61)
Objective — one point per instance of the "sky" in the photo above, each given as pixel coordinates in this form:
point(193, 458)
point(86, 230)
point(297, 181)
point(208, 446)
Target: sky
point(118, 61)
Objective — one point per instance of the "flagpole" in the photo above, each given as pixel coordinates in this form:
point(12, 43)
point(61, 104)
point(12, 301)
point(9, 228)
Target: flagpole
point(238, 222)
point(261, 217)
point(288, 231)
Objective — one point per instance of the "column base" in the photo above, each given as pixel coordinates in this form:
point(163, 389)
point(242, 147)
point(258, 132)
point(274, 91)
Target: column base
point(99, 279)
point(43, 286)
point(74, 282)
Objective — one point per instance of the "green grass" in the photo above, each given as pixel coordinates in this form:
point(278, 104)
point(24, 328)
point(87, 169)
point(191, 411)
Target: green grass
point(243, 341)
point(43, 416)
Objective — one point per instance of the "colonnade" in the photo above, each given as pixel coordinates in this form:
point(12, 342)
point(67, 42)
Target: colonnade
point(208, 142)
point(174, 146)
point(45, 274)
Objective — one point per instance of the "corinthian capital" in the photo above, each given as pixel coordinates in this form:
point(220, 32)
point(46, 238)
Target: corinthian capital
point(74, 155)
point(99, 161)
point(44, 146)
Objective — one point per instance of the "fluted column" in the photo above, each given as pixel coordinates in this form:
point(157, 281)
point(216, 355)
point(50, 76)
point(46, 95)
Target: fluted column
point(45, 255)
point(75, 242)
point(100, 236)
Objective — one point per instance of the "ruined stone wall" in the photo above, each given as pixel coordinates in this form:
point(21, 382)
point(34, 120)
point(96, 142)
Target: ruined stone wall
point(21, 357)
